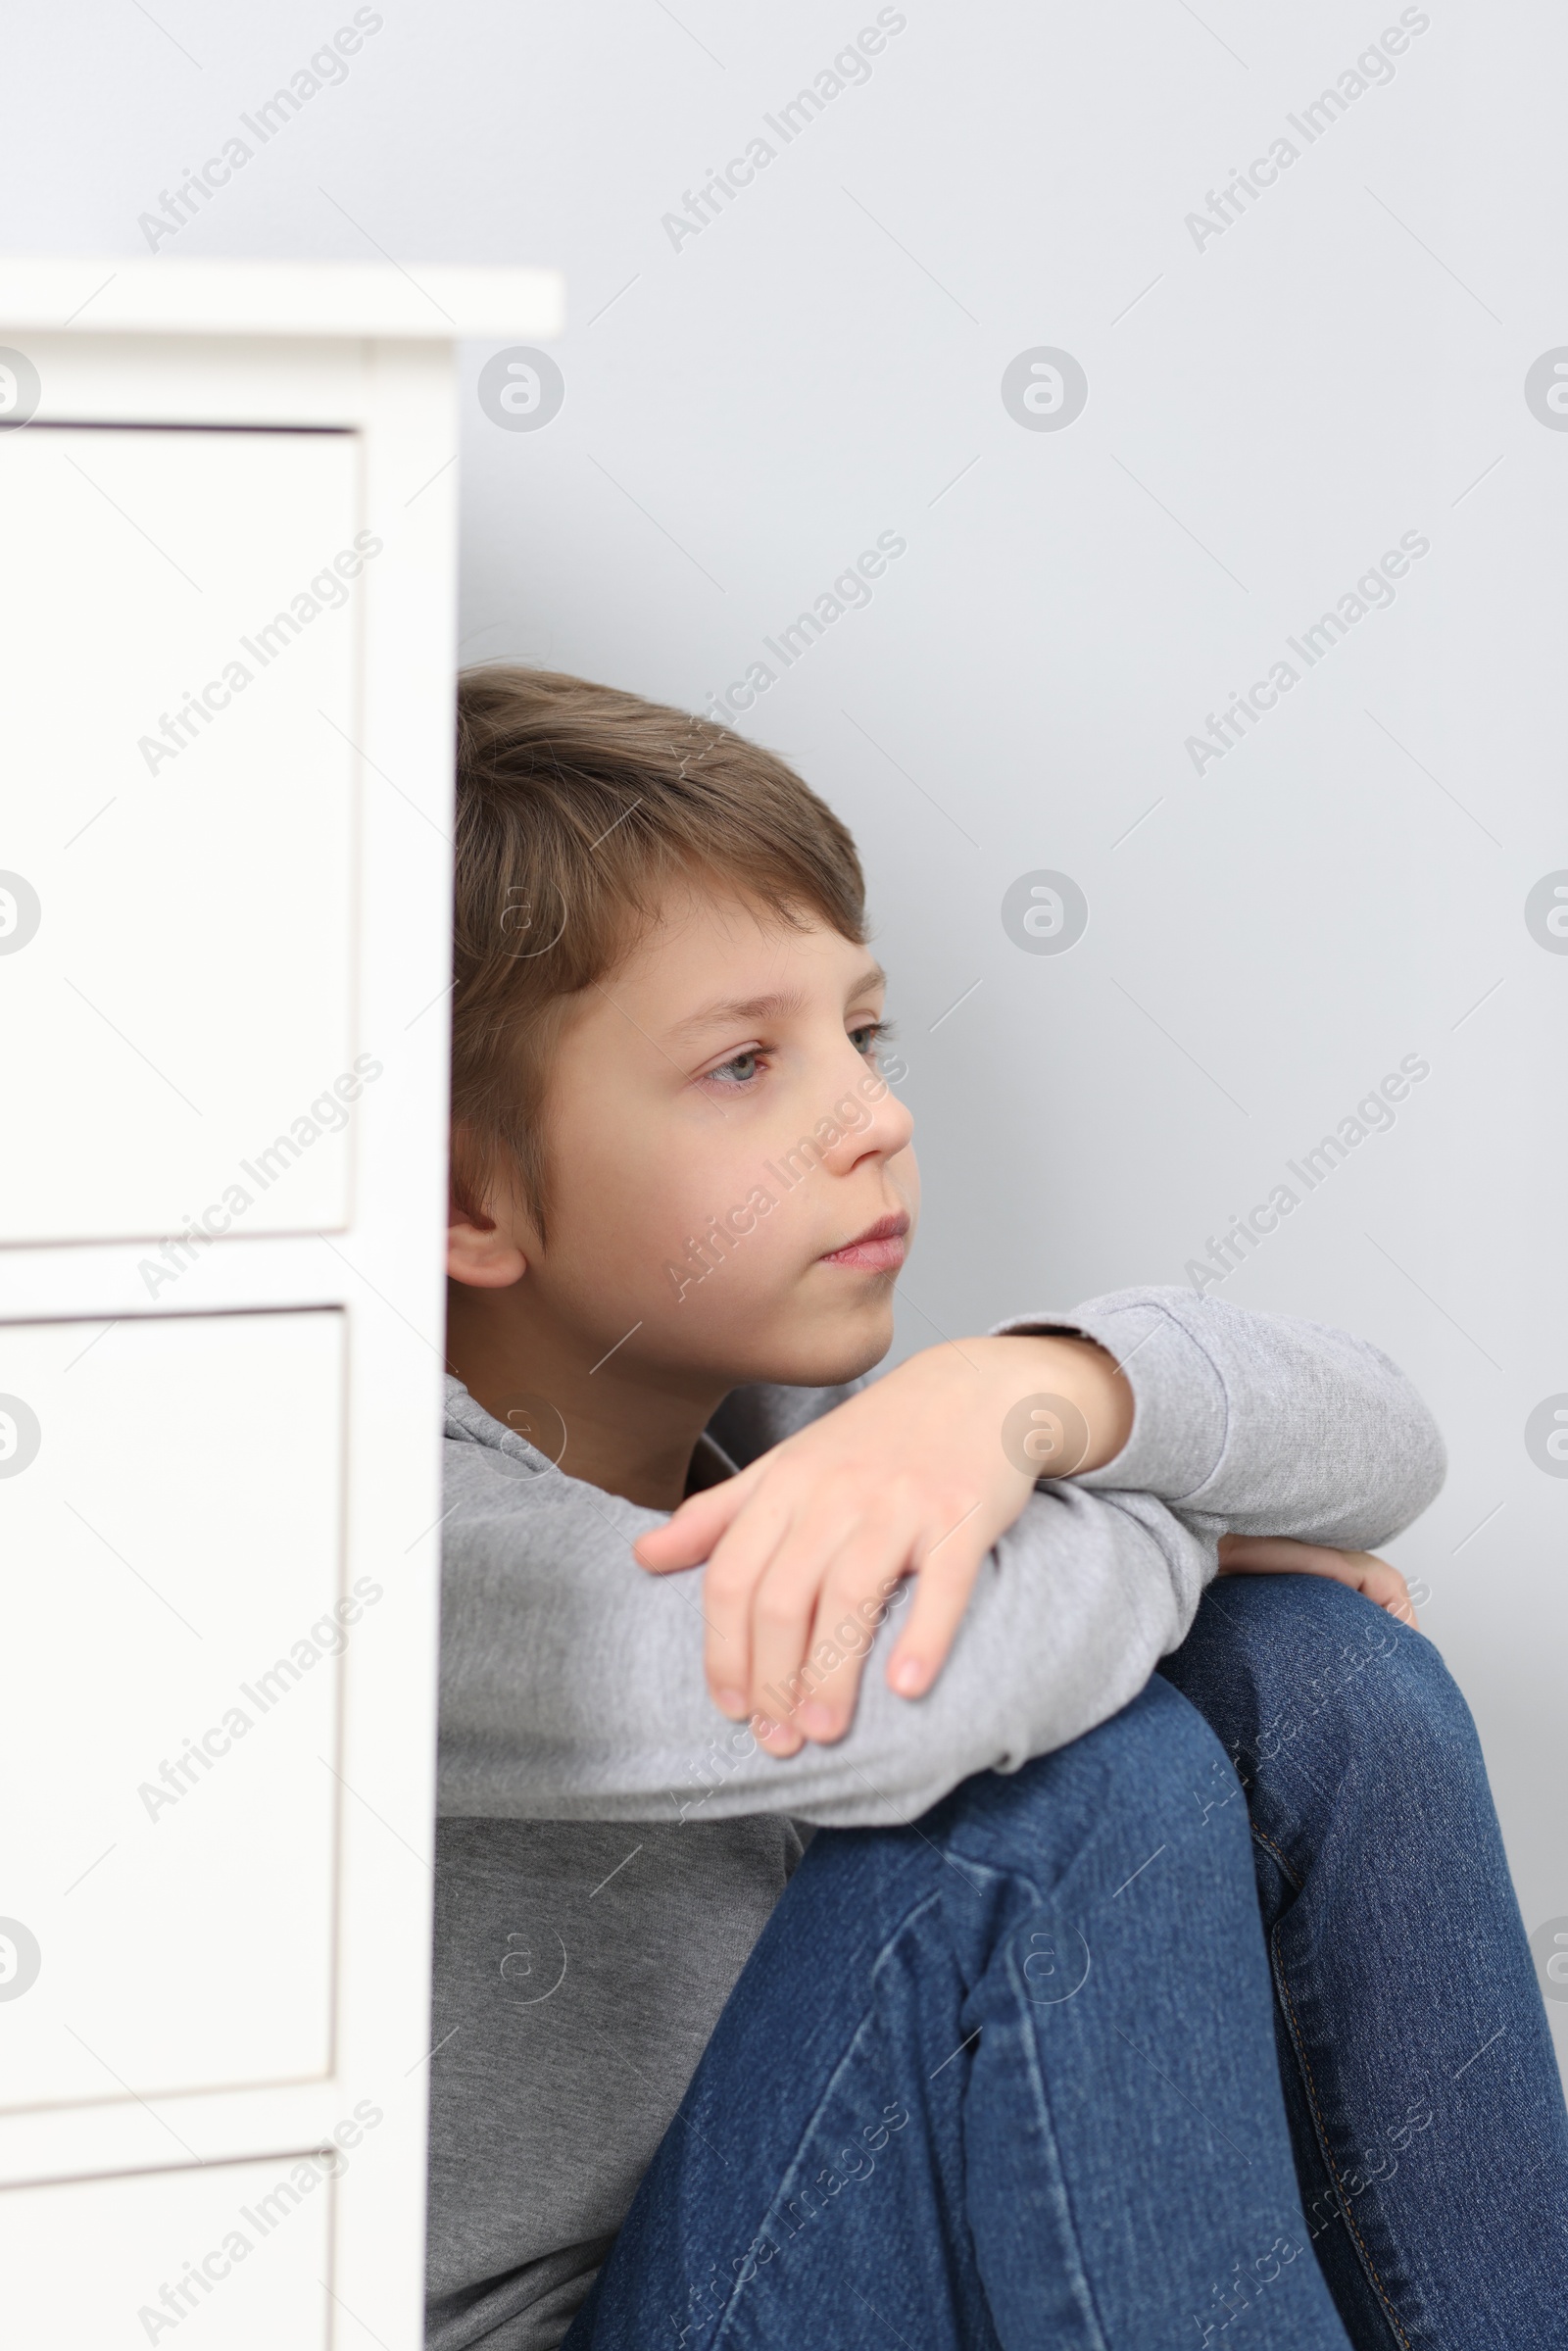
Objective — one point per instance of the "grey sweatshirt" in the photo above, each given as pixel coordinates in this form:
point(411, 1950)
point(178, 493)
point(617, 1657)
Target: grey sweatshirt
point(610, 1845)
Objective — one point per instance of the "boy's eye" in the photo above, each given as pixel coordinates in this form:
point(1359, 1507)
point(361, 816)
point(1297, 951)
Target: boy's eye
point(743, 1069)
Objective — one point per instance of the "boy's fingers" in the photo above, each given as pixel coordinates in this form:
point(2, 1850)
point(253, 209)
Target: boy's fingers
point(736, 1565)
point(941, 1596)
point(1388, 1588)
point(783, 1613)
point(851, 1607)
point(1271, 1555)
point(689, 1536)
point(853, 1600)
point(1377, 1579)
point(1282, 1555)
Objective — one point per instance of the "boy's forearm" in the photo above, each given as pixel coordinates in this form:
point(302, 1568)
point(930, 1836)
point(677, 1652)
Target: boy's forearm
point(920, 1473)
point(577, 1691)
point(1260, 1423)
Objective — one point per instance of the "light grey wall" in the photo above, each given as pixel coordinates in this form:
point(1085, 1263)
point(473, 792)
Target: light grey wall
point(1271, 405)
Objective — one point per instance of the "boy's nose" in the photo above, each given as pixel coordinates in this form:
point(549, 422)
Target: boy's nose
point(871, 1122)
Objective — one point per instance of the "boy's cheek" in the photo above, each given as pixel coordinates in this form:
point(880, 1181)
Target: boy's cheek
point(732, 1289)
point(717, 1262)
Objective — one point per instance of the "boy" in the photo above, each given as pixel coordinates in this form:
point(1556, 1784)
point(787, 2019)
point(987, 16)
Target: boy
point(681, 1191)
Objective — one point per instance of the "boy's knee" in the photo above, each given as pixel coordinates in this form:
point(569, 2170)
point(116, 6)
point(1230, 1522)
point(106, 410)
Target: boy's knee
point(1165, 1769)
point(1302, 1662)
point(1153, 1747)
point(1150, 1772)
point(1384, 1688)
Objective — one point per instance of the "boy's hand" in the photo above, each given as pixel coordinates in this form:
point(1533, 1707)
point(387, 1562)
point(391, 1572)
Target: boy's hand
point(918, 1474)
point(1279, 1556)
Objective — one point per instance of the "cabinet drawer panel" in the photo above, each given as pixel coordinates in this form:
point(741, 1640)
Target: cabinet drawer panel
point(242, 2246)
point(179, 652)
point(171, 1637)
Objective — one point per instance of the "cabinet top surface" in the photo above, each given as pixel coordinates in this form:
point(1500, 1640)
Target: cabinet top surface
point(431, 302)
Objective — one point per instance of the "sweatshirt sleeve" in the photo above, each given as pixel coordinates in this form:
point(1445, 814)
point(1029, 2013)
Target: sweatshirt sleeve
point(1259, 1423)
point(572, 1686)
point(571, 1681)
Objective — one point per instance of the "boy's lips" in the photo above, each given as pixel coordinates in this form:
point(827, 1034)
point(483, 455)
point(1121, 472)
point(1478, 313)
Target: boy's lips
point(881, 1249)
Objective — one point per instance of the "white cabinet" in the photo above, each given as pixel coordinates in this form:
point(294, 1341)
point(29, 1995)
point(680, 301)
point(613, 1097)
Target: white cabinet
point(227, 663)
point(178, 725)
point(176, 1543)
point(244, 2247)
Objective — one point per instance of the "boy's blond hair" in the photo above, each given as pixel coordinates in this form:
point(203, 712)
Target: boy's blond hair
point(577, 805)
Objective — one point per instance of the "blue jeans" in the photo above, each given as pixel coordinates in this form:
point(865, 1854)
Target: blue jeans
point(1426, 2109)
point(1007, 2079)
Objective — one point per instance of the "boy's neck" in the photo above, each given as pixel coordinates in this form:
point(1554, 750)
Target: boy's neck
point(628, 1433)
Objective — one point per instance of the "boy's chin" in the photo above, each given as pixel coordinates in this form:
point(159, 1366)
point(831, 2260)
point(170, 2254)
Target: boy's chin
point(816, 1356)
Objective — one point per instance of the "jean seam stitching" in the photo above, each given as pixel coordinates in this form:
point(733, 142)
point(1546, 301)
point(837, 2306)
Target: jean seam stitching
point(1299, 2041)
point(781, 2195)
point(1048, 2121)
point(1262, 1837)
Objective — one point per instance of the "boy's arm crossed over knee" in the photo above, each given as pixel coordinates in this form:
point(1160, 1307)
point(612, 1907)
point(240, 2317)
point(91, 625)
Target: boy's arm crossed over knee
point(920, 1473)
point(1251, 1425)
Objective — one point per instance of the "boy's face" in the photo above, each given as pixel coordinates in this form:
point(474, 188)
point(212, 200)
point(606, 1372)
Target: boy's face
point(718, 1135)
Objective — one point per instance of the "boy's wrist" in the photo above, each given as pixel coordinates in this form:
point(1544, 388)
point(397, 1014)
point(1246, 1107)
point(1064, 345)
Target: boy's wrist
point(1064, 1403)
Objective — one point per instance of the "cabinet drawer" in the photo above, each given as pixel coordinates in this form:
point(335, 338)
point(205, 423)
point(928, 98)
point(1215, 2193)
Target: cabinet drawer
point(172, 1637)
point(178, 639)
point(244, 2247)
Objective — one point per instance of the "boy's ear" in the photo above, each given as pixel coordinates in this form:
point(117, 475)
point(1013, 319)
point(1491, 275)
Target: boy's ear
point(483, 1250)
point(482, 1254)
